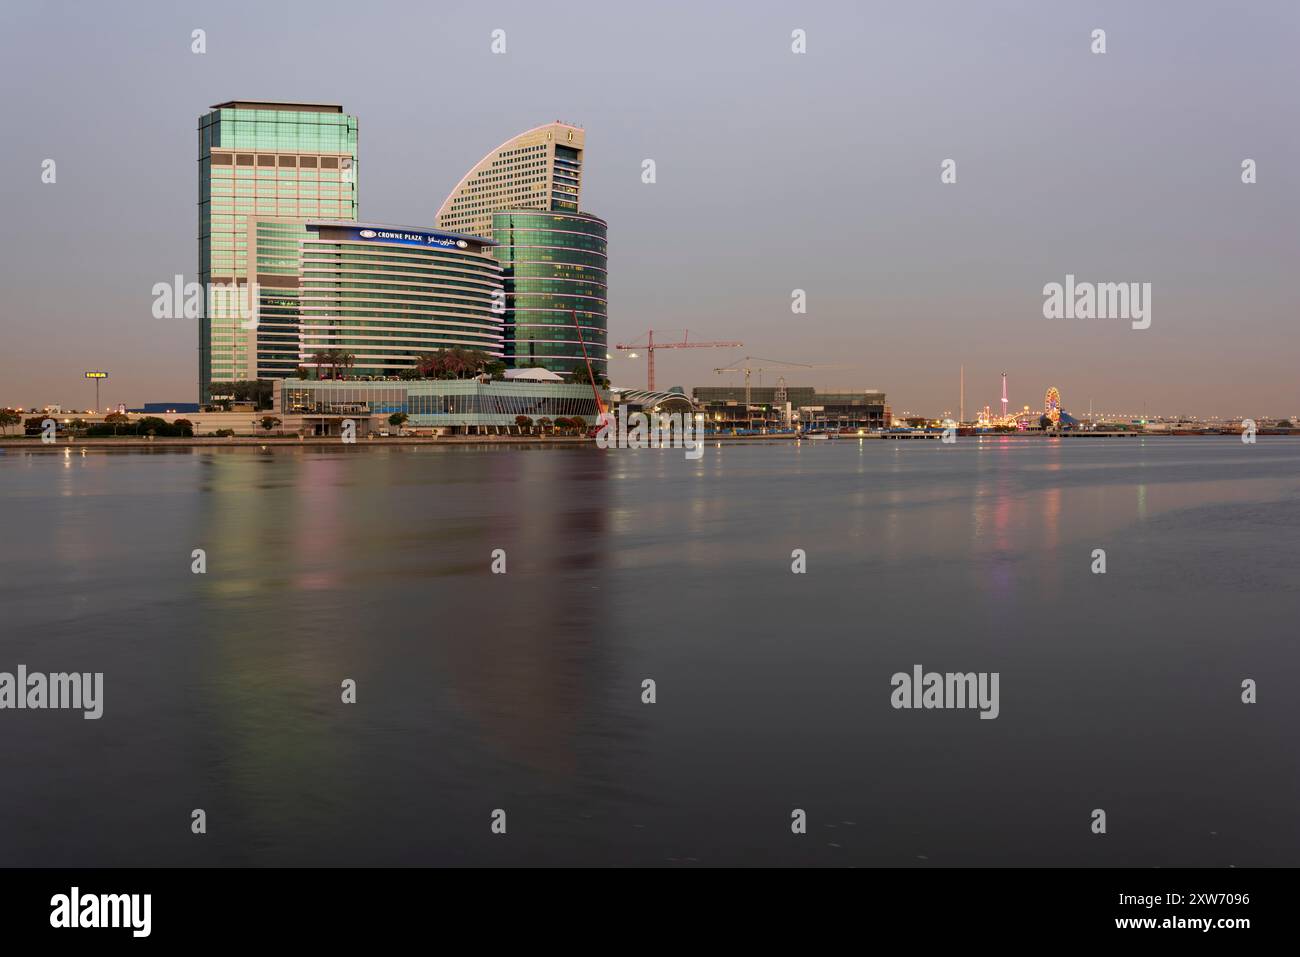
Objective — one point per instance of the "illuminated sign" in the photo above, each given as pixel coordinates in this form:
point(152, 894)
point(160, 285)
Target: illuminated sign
point(405, 237)
point(96, 375)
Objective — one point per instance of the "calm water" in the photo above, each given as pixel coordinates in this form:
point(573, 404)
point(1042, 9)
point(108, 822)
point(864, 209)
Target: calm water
point(522, 691)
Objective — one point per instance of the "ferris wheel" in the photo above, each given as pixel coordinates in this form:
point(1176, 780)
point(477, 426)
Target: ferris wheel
point(1052, 405)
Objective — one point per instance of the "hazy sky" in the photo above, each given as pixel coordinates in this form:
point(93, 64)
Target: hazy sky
point(776, 171)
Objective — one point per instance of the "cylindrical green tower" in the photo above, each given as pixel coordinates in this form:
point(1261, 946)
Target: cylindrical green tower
point(554, 264)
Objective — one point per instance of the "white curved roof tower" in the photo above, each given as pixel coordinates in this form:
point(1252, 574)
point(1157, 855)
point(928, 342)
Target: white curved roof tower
point(539, 169)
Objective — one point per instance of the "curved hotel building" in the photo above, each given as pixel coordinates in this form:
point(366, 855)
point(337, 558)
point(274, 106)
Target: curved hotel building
point(555, 272)
point(384, 295)
point(538, 169)
point(526, 195)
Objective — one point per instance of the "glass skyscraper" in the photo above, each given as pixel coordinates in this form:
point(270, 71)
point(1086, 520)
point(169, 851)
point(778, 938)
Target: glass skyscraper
point(294, 161)
point(526, 195)
point(555, 271)
point(274, 252)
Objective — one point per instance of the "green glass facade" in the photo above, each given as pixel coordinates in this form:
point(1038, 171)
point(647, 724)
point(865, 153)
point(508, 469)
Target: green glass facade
point(283, 160)
point(276, 247)
point(555, 264)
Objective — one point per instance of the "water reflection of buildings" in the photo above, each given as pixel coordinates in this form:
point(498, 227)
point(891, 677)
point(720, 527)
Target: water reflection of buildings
point(275, 628)
point(375, 565)
point(535, 657)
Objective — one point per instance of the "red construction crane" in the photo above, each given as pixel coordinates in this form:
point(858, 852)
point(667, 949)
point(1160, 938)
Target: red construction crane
point(591, 376)
point(650, 346)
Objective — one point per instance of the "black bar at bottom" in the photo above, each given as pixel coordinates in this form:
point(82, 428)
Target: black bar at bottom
point(334, 906)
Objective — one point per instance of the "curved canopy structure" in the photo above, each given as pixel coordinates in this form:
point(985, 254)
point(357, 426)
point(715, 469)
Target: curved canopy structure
point(654, 401)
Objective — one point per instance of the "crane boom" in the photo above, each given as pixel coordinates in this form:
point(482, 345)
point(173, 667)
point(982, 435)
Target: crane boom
point(600, 406)
point(650, 347)
point(747, 369)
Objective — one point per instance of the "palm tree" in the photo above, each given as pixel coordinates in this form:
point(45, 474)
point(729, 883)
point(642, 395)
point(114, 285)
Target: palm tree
point(336, 358)
point(456, 362)
point(479, 362)
point(321, 359)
